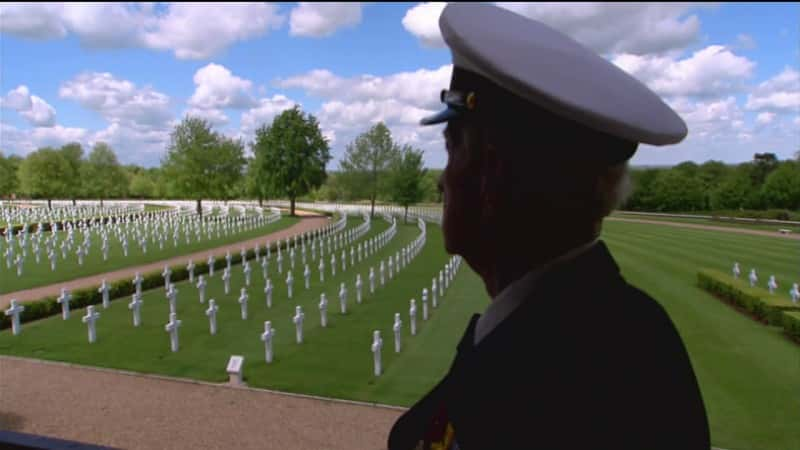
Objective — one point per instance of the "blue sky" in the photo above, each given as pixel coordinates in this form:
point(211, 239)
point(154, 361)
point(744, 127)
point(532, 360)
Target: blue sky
point(125, 74)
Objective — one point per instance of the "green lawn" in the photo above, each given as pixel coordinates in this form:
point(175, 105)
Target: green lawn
point(152, 208)
point(35, 275)
point(749, 373)
point(717, 223)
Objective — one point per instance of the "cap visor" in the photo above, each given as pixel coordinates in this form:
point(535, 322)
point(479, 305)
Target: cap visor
point(442, 116)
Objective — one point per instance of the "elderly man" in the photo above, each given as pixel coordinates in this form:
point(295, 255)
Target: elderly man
point(568, 355)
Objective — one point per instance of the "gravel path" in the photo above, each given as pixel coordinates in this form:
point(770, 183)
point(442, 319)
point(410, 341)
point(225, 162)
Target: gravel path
point(795, 237)
point(307, 223)
point(123, 410)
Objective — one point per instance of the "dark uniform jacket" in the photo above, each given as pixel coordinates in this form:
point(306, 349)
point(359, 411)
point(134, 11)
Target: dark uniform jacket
point(587, 361)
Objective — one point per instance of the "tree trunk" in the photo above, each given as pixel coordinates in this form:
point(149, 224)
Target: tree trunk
point(199, 208)
point(291, 208)
point(101, 202)
point(260, 201)
point(372, 210)
point(49, 206)
point(405, 217)
point(73, 202)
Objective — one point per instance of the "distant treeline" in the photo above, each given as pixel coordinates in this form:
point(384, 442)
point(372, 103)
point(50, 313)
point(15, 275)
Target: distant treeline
point(765, 183)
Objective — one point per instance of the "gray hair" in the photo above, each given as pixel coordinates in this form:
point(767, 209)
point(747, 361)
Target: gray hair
point(615, 187)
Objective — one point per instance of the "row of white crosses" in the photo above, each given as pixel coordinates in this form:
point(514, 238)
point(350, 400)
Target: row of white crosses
point(446, 277)
point(299, 318)
point(772, 284)
point(71, 213)
point(142, 229)
point(173, 326)
point(90, 319)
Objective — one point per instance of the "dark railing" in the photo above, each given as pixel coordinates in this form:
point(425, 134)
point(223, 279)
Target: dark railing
point(11, 440)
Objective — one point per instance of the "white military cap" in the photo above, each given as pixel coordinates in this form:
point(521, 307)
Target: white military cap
point(497, 53)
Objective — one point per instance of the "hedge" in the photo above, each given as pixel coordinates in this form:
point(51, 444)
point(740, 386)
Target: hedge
point(791, 324)
point(48, 306)
point(758, 302)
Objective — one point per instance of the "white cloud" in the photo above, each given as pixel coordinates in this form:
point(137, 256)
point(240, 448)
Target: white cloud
point(191, 31)
point(32, 21)
point(201, 30)
point(780, 93)
point(765, 118)
point(400, 100)
point(323, 19)
point(420, 87)
point(709, 119)
point(133, 145)
point(215, 117)
point(797, 121)
point(34, 109)
point(423, 22)
point(118, 101)
point(264, 113)
point(216, 87)
point(22, 142)
point(712, 71)
point(106, 25)
point(18, 99)
point(637, 28)
point(367, 113)
point(41, 114)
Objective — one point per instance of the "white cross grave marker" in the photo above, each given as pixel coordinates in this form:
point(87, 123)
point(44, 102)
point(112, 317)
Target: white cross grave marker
point(14, 311)
point(268, 293)
point(267, 336)
point(358, 288)
point(172, 297)
point(172, 328)
point(343, 298)
point(226, 278)
point(298, 322)
point(64, 300)
point(377, 343)
point(323, 310)
point(397, 328)
point(412, 315)
point(211, 312)
point(243, 301)
point(89, 319)
point(135, 305)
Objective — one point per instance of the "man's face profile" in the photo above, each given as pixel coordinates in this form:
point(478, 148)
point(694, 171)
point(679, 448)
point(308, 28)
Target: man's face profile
point(460, 198)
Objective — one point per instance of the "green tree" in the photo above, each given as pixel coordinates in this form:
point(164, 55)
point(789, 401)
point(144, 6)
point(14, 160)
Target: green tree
point(782, 186)
point(142, 186)
point(674, 190)
point(8, 176)
point(252, 187)
point(366, 163)
point(763, 165)
point(41, 174)
point(710, 175)
point(431, 184)
point(291, 155)
point(73, 155)
point(200, 163)
point(102, 175)
point(642, 196)
point(406, 179)
point(733, 190)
